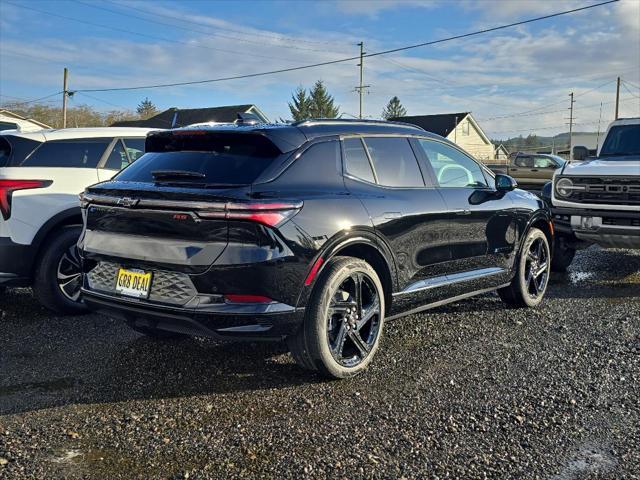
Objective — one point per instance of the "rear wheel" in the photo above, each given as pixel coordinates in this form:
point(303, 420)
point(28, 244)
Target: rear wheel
point(58, 276)
point(562, 256)
point(343, 321)
point(528, 287)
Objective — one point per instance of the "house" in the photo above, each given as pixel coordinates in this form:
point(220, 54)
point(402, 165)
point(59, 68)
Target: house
point(461, 128)
point(12, 121)
point(180, 117)
point(501, 153)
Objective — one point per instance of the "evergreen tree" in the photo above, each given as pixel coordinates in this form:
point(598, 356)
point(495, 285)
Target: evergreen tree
point(299, 105)
point(321, 103)
point(146, 109)
point(394, 109)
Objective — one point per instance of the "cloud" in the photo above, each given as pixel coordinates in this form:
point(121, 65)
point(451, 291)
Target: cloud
point(504, 73)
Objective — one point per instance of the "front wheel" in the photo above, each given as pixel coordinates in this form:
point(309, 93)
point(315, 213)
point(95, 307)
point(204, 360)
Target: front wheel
point(529, 285)
point(58, 276)
point(343, 321)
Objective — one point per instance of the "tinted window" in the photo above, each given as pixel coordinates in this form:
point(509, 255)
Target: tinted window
point(356, 161)
point(14, 149)
point(394, 162)
point(83, 153)
point(221, 157)
point(318, 166)
point(117, 158)
point(622, 140)
point(8, 126)
point(452, 168)
point(135, 147)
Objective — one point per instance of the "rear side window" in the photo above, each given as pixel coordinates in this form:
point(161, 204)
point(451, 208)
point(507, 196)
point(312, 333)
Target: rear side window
point(356, 161)
point(318, 167)
point(394, 162)
point(525, 162)
point(117, 159)
point(221, 158)
point(13, 150)
point(134, 147)
point(76, 153)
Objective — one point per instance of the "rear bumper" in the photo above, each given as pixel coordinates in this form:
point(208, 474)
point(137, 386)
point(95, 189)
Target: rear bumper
point(609, 229)
point(272, 321)
point(16, 261)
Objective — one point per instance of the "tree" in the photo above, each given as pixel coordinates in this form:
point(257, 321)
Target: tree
point(300, 104)
point(146, 109)
point(394, 109)
point(321, 103)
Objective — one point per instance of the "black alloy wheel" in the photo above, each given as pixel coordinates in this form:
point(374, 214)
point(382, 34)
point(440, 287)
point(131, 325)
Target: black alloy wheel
point(354, 320)
point(537, 268)
point(69, 274)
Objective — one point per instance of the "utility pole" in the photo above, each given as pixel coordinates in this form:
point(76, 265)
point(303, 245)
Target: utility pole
point(599, 120)
point(571, 127)
point(360, 89)
point(617, 98)
point(65, 94)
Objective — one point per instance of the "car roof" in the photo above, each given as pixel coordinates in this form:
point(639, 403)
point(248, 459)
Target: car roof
point(289, 136)
point(626, 121)
point(72, 133)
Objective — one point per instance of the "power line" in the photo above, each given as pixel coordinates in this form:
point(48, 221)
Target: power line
point(154, 37)
point(624, 84)
point(39, 99)
point(253, 34)
point(210, 34)
point(629, 83)
point(342, 60)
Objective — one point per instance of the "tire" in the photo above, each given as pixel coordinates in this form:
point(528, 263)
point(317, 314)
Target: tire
point(58, 277)
point(562, 256)
point(530, 283)
point(155, 333)
point(341, 332)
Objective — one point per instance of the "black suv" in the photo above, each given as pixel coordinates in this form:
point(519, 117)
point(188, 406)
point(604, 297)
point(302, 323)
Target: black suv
point(315, 232)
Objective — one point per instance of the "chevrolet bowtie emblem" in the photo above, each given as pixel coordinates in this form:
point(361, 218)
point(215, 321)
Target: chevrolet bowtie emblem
point(128, 202)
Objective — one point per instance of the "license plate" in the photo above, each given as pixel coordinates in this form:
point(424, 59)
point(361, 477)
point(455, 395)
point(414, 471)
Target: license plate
point(133, 283)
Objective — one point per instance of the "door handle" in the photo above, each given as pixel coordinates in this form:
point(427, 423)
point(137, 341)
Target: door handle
point(462, 211)
point(534, 169)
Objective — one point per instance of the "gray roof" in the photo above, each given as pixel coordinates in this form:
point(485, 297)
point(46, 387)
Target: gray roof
point(176, 117)
point(441, 124)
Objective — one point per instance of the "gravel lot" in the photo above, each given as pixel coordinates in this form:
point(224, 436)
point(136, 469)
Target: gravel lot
point(471, 390)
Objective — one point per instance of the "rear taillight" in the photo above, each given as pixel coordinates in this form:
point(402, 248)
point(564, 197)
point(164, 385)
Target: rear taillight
point(7, 187)
point(267, 213)
point(240, 298)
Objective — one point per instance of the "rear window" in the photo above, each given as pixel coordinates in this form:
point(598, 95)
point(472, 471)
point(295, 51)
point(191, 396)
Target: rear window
point(221, 158)
point(394, 162)
point(13, 150)
point(75, 153)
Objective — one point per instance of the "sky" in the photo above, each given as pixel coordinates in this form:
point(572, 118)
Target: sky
point(515, 81)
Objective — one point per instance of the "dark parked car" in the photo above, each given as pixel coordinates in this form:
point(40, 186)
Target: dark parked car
point(315, 232)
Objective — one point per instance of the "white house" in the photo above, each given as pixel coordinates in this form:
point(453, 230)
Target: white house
point(461, 128)
point(12, 121)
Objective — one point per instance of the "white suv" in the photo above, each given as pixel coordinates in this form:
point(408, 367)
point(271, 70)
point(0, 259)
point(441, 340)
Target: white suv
point(41, 175)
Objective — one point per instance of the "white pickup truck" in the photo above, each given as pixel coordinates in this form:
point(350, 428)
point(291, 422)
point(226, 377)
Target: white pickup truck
point(597, 200)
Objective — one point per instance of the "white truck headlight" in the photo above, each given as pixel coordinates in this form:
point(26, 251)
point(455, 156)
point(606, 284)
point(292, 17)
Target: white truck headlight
point(564, 187)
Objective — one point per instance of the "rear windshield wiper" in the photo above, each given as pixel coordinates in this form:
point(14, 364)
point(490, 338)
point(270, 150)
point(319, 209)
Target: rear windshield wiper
point(169, 174)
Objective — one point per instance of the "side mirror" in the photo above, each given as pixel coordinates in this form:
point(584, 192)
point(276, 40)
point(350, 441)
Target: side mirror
point(580, 152)
point(505, 183)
